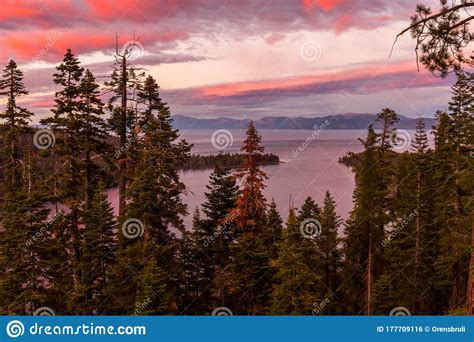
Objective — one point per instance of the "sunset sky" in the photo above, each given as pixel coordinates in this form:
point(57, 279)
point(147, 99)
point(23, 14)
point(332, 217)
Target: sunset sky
point(233, 58)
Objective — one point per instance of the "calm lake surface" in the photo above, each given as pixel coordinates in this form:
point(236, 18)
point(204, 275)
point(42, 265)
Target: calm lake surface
point(308, 172)
point(307, 169)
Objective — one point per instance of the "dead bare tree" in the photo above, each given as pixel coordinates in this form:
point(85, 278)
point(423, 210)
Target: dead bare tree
point(125, 79)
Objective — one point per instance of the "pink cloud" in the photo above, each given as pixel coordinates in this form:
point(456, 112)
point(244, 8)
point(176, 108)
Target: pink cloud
point(344, 23)
point(190, 15)
point(41, 104)
point(369, 79)
point(274, 37)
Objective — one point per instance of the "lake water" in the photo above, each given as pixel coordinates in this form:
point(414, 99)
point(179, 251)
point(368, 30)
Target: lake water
point(308, 169)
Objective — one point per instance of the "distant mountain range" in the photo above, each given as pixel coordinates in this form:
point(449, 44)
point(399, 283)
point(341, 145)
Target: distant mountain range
point(339, 121)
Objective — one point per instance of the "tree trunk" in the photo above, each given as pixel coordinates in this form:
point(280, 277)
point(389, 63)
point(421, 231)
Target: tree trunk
point(417, 235)
point(369, 279)
point(470, 284)
point(123, 140)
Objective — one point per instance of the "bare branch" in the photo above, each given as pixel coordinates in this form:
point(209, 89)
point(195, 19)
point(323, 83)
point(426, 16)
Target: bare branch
point(434, 16)
point(461, 23)
point(441, 36)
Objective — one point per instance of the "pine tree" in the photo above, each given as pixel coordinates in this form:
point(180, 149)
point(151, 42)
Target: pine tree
point(400, 250)
point(215, 236)
point(93, 133)
point(22, 213)
point(65, 124)
point(309, 210)
point(461, 109)
point(251, 203)
point(426, 234)
point(199, 299)
point(387, 118)
point(454, 177)
point(154, 200)
point(463, 106)
point(15, 123)
point(153, 295)
point(274, 230)
point(386, 138)
point(80, 134)
point(272, 238)
point(22, 282)
point(308, 215)
point(221, 196)
point(364, 231)
point(98, 248)
point(328, 245)
point(56, 270)
point(443, 181)
point(294, 292)
point(252, 272)
point(191, 271)
point(155, 193)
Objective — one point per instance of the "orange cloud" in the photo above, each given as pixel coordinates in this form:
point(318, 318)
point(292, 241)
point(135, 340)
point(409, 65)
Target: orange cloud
point(15, 9)
point(110, 9)
point(51, 45)
point(326, 5)
point(44, 45)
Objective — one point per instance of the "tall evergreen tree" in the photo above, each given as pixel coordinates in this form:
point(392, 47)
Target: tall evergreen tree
point(387, 118)
point(155, 193)
point(23, 284)
point(294, 292)
point(453, 134)
point(309, 210)
point(274, 230)
point(217, 233)
point(191, 271)
point(221, 196)
point(153, 294)
point(66, 126)
point(443, 181)
point(328, 245)
point(251, 204)
point(98, 248)
point(80, 137)
point(251, 264)
point(396, 286)
point(93, 133)
point(309, 215)
point(154, 200)
point(365, 231)
point(15, 123)
point(426, 234)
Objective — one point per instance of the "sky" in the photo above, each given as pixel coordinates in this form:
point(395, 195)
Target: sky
point(234, 58)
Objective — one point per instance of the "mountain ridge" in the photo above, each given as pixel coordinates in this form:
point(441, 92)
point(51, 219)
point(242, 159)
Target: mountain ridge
point(338, 121)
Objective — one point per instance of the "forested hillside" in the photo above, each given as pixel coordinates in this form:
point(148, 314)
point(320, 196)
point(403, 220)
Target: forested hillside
point(406, 244)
